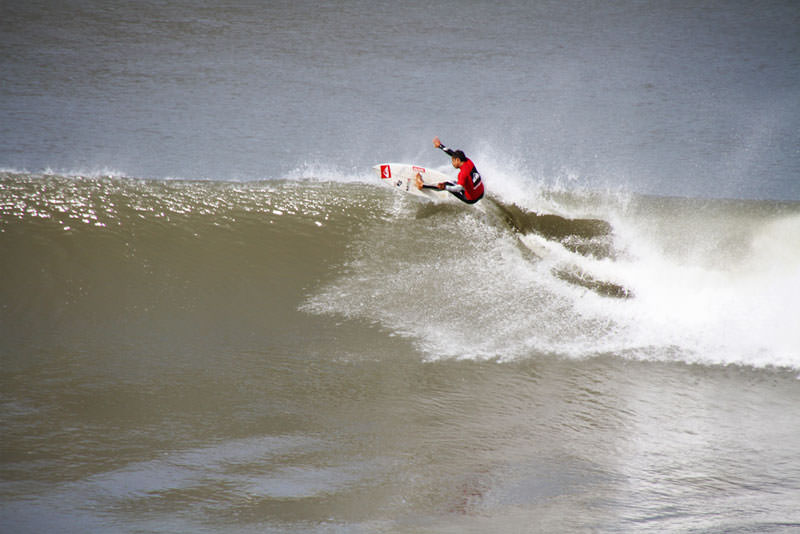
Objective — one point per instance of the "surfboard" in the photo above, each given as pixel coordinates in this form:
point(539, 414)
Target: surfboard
point(402, 176)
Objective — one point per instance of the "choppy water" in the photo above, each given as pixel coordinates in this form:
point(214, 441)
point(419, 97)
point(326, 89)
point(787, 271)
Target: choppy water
point(607, 343)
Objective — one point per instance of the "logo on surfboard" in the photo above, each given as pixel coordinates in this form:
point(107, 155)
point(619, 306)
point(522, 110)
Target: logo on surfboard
point(386, 172)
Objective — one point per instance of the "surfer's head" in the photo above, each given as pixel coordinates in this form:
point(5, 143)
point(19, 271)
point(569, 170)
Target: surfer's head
point(458, 158)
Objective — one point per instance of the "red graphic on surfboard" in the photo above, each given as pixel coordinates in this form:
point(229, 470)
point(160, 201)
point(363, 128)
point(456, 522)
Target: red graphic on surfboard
point(386, 172)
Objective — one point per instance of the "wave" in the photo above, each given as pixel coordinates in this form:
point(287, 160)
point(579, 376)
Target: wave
point(552, 273)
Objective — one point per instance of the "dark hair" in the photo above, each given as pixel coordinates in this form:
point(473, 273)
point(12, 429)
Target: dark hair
point(460, 155)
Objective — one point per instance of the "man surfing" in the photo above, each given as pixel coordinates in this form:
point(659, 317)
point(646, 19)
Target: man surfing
point(469, 187)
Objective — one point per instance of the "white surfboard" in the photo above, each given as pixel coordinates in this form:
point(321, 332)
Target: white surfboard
point(402, 176)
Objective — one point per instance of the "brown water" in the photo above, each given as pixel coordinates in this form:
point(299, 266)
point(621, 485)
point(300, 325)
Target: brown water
point(279, 357)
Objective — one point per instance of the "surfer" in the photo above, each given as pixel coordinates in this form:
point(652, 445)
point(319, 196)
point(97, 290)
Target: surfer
point(469, 187)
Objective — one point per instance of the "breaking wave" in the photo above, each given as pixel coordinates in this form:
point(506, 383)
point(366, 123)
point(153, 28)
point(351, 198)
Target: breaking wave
point(550, 274)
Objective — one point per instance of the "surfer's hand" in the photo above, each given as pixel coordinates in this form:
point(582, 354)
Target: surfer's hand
point(441, 186)
point(418, 181)
point(436, 142)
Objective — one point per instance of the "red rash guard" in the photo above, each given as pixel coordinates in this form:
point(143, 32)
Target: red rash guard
point(470, 179)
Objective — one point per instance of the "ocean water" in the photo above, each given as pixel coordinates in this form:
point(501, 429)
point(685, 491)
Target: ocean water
point(213, 318)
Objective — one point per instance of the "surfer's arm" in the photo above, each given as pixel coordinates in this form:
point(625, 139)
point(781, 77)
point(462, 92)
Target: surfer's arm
point(454, 188)
point(451, 187)
point(438, 144)
point(441, 186)
point(446, 150)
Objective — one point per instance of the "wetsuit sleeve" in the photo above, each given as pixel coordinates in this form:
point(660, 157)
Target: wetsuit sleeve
point(454, 188)
point(450, 152)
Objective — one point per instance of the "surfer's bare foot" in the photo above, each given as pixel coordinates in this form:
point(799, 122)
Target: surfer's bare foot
point(418, 181)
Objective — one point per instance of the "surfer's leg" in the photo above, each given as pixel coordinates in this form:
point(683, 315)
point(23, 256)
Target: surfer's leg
point(460, 196)
point(455, 190)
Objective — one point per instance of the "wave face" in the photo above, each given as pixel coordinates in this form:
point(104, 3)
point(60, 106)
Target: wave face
point(113, 262)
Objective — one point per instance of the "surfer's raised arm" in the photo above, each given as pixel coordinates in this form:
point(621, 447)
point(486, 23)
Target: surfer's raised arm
point(438, 144)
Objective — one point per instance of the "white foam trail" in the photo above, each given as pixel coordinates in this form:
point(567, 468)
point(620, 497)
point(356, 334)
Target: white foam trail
point(738, 312)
